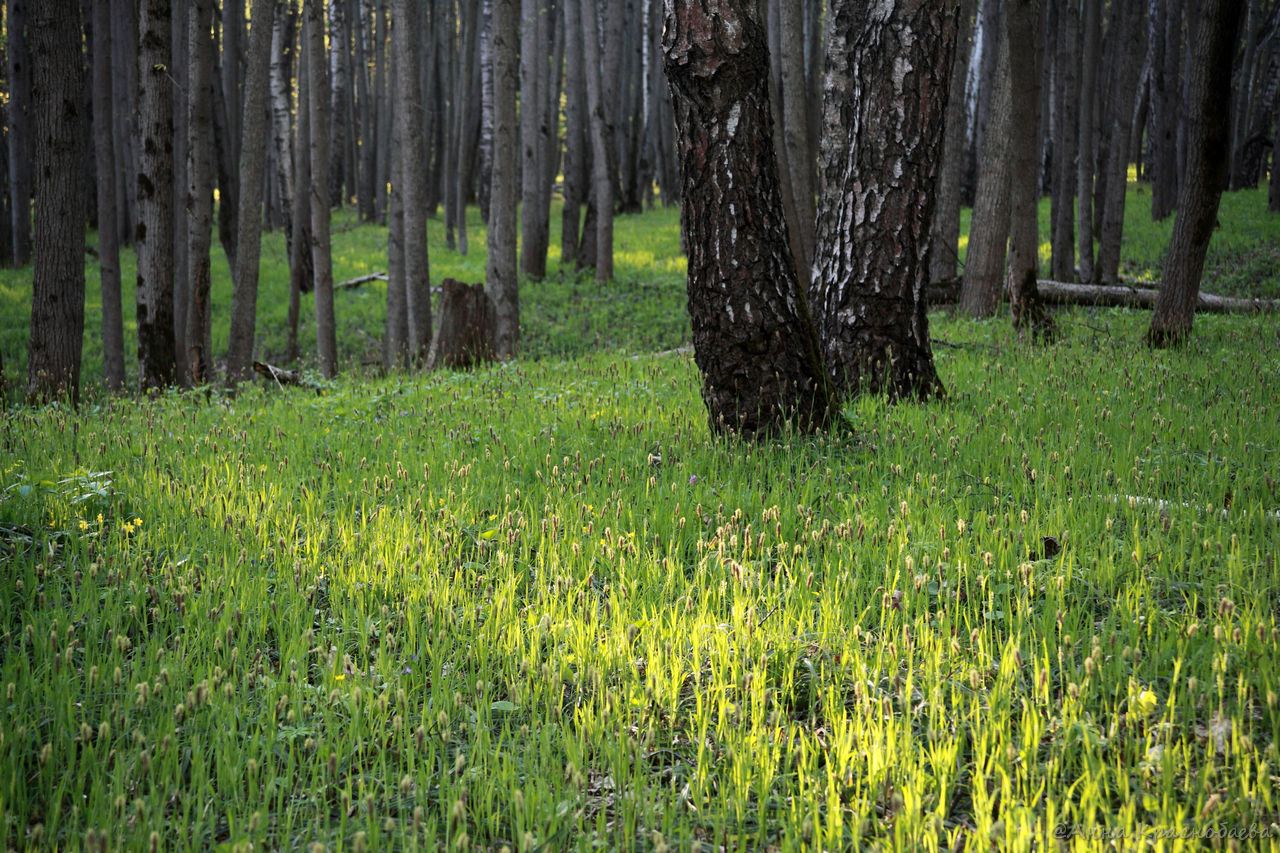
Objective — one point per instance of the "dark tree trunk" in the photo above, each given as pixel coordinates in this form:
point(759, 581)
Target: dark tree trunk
point(301, 275)
point(338, 130)
point(753, 340)
point(413, 174)
point(395, 336)
point(535, 137)
point(795, 131)
point(1090, 49)
point(199, 230)
point(880, 153)
point(989, 226)
point(1244, 147)
point(281, 83)
point(20, 144)
point(226, 171)
point(181, 259)
point(108, 232)
point(157, 360)
point(321, 260)
point(1024, 24)
point(467, 327)
point(1066, 96)
point(1166, 53)
point(58, 110)
point(500, 266)
point(253, 156)
point(944, 249)
point(466, 121)
point(368, 130)
point(124, 59)
point(1131, 44)
point(382, 111)
point(602, 181)
point(576, 172)
point(1273, 191)
point(1208, 145)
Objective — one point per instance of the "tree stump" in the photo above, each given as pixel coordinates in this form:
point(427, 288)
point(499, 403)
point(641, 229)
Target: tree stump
point(467, 328)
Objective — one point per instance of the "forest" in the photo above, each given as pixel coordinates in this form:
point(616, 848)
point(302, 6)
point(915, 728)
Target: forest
point(716, 425)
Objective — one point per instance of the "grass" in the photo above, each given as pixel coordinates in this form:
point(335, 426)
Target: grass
point(539, 607)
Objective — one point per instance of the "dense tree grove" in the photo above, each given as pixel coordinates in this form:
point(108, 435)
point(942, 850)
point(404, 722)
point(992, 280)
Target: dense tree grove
point(410, 111)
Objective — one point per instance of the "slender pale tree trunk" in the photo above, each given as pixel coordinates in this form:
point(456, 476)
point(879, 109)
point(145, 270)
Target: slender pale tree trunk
point(413, 172)
point(946, 218)
point(108, 233)
point(1066, 96)
point(301, 276)
point(753, 339)
point(321, 260)
point(1207, 162)
point(337, 102)
point(500, 267)
point(58, 106)
point(1086, 162)
point(199, 221)
point(253, 155)
point(535, 132)
point(395, 337)
point(281, 82)
point(576, 143)
point(602, 182)
point(19, 131)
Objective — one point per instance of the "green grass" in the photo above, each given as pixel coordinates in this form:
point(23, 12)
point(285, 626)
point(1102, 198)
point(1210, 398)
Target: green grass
point(539, 606)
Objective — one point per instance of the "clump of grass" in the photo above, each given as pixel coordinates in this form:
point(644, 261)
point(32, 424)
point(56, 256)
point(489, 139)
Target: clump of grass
point(540, 606)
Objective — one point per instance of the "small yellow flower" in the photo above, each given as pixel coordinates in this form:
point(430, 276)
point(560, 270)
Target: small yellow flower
point(339, 677)
point(128, 528)
point(99, 518)
point(137, 522)
point(84, 525)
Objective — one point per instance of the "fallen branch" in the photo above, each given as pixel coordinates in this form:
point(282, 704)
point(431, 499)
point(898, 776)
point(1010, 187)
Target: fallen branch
point(281, 376)
point(361, 279)
point(1125, 296)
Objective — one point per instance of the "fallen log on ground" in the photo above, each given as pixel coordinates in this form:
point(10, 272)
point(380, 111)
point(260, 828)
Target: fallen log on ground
point(361, 279)
point(282, 376)
point(1111, 296)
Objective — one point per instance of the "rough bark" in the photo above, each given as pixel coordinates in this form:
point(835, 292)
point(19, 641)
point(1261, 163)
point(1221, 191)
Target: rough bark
point(61, 210)
point(281, 83)
point(395, 336)
point(1131, 46)
point(382, 111)
point(321, 260)
point(301, 277)
point(19, 131)
point(253, 154)
point(1090, 49)
point(753, 340)
point(199, 205)
point(157, 360)
point(229, 69)
point(601, 143)
point(468, 321)
point(338, 130)
point(1207, 158)
point(1273, 190)
point(180, 91)
point(884, 102)
point(368, 148)
point(124, 59)
point(533, 219)
point(1024, 24)
point(989, 226)
point(466, 122)
point(1166, 51)
point(1066, 96)
point(108, 232)
point(413, 174)
point(576, 170)
point(944, 249)
point(795, 129)
point(500, 265)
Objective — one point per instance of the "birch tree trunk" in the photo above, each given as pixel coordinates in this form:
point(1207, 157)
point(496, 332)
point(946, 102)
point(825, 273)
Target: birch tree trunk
point(500, 265)
point(108, 232)
point(601, 143)
point(753, 340)
point(321, 260)
point(946, 219)
point(413, 174)
point(576, 172)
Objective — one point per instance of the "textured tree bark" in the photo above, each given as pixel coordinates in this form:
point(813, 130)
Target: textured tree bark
point(337, 102)
point(1090, 47)
point(61, 206)
point(19, 131)
point(1024, 24)
point(989, 226)
point(321, 259)
point(753, 340)
point(534, 52)
point(467, 119)
point(382, 112)
point(157, 360)
point(500, 265)
point(301, 278)
point(408, 118)
point(1066, 96)
point(467, 327)
point(364, 99)
point(232, 60)
point(253, 156)
point(576, 171)
point(1166, 51)
point(1207, 158)
point(281, 82)
point(601, 143)
point(108, 232)
point(1273, 190)
point(180, 91)
point(944, 249)
point(124, 59)
point(795, 130)
point(395, 337)
point(199, 219)
point(885, 100)
point(1131, 44)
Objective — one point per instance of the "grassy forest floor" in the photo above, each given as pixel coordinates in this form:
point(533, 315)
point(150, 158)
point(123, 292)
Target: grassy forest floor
point(539, 606)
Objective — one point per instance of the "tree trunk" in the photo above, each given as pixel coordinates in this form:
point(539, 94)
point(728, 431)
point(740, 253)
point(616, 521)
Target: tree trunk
point(1166, 51)
point(601, 143)
point(576, 172)
point(1273, 190)
point(337, 102)
point(1131, 50)
point(466, 115)
point(253, 154)
point(108, 232)
point(180, 92)
point(58, 106)
point(795, 129)
point(157, 361)
point(1024, 24)
point(395, 336)
point(321, 261)
point(988, 35)
point(413, 168)
point(753, 340)
point(1207, 157)
point(281, 81)
point(199, 220)
point(382, 111)
point(1087, 154)
point(1066, 96)
point(989, 225)
point(365, 111)
point(1243, 159)
point(20, 118)
point(500, 267)
point(230, 70)
point(533, 244)
point(124, 59)
point(467, 327)
point(946, 219)
point(880, 153)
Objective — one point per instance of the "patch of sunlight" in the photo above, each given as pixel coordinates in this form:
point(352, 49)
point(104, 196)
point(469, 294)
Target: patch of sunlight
point(1132, 174)
point(1045, 255)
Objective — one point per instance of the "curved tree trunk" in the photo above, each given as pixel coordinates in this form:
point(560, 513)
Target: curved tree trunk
point(157, 360)
point(108, 233)
point(199, 219)
point(1208, 145)
point(61, 206)
point(500, 267)
point(253, 158)
point(884, 104)
point(752, 336)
